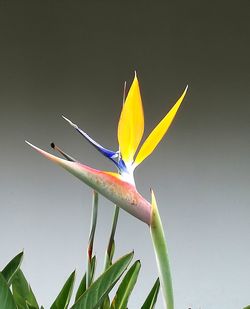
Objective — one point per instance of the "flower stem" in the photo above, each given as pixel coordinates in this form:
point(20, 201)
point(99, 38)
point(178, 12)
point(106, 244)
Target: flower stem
point(161, 253)
point(91, 239)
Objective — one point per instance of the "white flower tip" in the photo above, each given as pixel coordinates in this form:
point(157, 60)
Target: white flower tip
point(33, 146)
point(65, 118)
point(70, 122)
point(29, 143)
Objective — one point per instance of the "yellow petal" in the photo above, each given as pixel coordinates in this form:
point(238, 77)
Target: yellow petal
point(159, 131)
point(131, 123)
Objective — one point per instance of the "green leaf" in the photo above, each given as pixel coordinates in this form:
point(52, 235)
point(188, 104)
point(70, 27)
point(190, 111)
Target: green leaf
point(120, 300)
point(63, 299)
point(29, 306)
point(107, 261)
point(152, 296)
point(6, 298)
point(92, 266)
point(12, 267)
point(96, 293)
point(81, 288)
point(106, 303)
point(22, 292)
point(247, 307)
point(20, 301)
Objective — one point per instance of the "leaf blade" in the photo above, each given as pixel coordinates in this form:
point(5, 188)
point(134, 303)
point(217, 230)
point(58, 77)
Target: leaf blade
point(63, 298)
point(99, 289)
point(122, 295)
point(6, 298)
point(22, 291)
point(82, 288)
point(12, 267)
point(152, 296)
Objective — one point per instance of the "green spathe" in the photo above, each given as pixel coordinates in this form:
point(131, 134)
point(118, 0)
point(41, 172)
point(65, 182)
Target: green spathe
point(161, 253)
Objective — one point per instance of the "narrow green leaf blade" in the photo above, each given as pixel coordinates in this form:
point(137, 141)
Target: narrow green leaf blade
point(6, 298)
point(22, 291)
point(96, 293)
point(82, 288)
point(106, 303)
point(29, 306)
point(152, 296)
point(120, 300)
point(12, 267)
point(247, 307)
point(93, 267)
point(20, 301)
point(63, 299)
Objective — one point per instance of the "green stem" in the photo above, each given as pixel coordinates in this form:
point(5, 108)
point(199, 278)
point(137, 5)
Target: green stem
point(91, 238)
point(111, 245)
point(161, 253)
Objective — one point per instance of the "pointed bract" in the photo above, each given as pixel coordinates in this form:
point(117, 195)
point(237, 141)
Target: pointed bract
point(108, 184)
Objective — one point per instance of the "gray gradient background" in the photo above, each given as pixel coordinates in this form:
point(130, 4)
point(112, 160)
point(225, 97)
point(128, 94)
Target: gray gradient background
point(71, 58)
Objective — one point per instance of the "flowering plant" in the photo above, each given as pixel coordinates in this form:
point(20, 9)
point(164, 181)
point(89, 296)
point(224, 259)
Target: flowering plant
point(119, 187)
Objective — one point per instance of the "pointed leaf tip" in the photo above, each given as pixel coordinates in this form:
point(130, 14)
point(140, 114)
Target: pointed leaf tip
point(96, 293)
point(63, 298)
point(22, 291)
point(125, 288)
point(12, 267)
point(152, 296)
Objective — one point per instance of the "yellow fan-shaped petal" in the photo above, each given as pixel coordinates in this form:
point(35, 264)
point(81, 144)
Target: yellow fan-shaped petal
point(131, 123)
point(159, 131)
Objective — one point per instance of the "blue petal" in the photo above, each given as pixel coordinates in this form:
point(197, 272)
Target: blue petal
point(106, 152)
point(122, 166)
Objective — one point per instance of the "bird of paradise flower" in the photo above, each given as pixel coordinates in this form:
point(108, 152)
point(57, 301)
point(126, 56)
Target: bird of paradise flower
point(120, 187)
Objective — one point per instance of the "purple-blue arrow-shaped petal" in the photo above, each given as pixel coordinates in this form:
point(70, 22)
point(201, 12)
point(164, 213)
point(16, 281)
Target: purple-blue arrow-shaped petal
point(106, 152)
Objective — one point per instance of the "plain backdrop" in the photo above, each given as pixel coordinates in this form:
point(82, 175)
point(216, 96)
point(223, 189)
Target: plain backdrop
point(72, 58)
